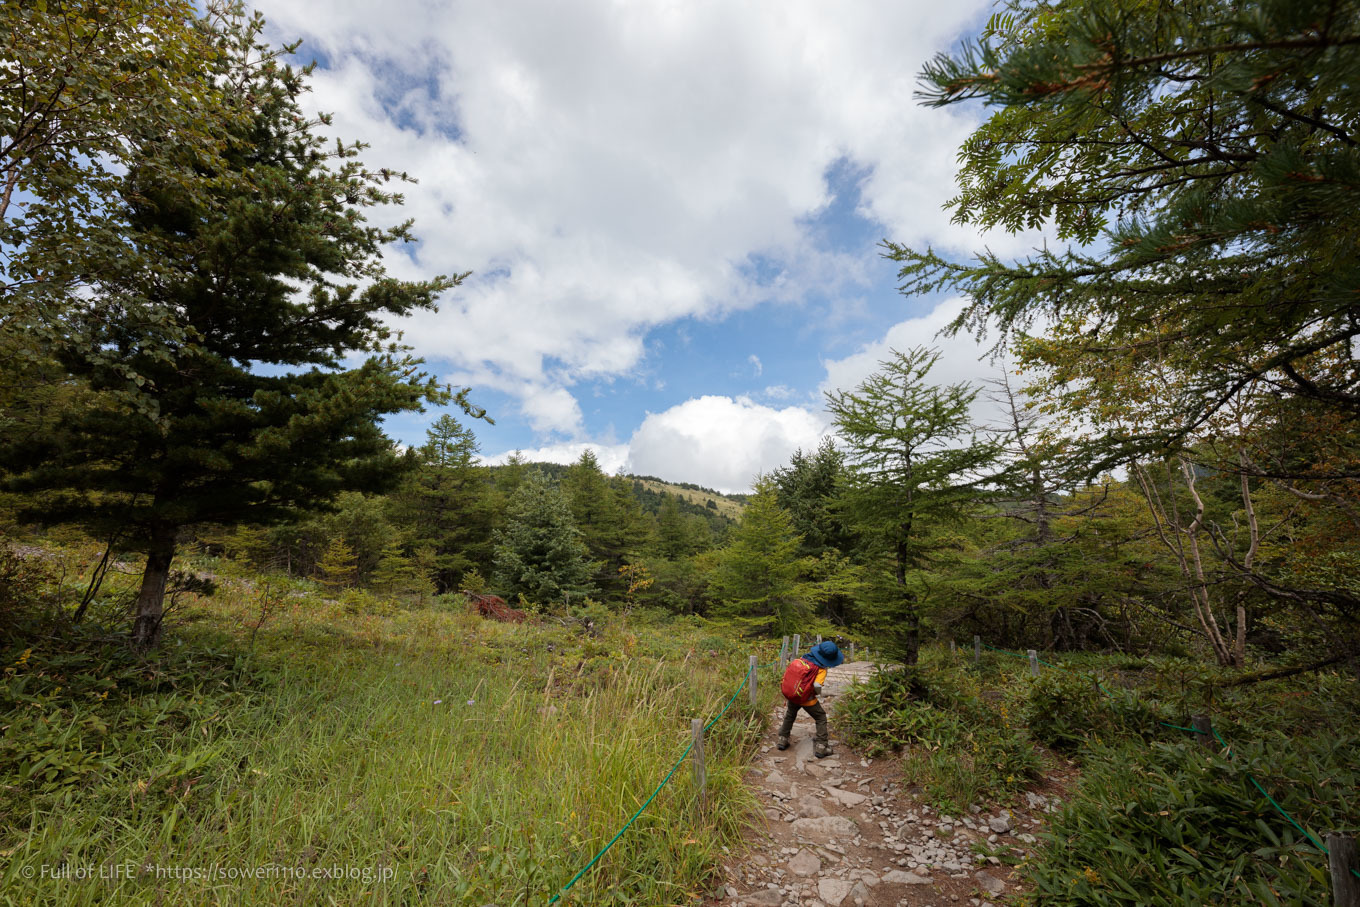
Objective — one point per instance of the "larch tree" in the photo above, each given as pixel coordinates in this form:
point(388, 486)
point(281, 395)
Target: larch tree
point(1201, 161)
point(914, 465)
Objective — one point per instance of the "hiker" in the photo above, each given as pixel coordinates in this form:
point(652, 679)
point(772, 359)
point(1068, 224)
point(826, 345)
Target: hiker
point(803, 680)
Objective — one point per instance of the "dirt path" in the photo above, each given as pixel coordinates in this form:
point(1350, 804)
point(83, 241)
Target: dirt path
point(847, 831)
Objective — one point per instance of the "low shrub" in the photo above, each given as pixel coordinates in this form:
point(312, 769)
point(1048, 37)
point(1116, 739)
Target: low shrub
point(1066, 711)
point(958, 747)
point(1171, 823)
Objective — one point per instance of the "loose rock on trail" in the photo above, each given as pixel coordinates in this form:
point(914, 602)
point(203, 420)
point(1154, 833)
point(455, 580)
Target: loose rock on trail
point(847, 831)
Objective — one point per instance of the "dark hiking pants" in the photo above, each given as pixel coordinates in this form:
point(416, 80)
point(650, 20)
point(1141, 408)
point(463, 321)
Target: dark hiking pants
point(818, 715)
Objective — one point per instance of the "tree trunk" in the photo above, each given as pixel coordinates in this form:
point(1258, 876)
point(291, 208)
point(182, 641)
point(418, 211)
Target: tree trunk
point(146, 623)
point(1248, 561)
point(911, 617)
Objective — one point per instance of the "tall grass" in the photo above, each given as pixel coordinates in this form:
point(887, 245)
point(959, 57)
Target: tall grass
point(413, 757)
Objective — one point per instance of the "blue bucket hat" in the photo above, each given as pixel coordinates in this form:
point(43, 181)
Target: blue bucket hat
point(827, 654)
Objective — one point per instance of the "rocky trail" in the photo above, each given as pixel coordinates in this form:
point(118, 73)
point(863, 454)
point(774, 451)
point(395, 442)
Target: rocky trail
point(848, 831)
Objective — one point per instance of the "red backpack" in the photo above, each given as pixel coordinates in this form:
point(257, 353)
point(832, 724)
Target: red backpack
point(799, 678)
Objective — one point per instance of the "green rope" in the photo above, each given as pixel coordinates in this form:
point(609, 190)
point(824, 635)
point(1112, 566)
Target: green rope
point(1177, 727)
point(729, 702)
point(664, 782)
point(1316, 843)
point(1280, 809)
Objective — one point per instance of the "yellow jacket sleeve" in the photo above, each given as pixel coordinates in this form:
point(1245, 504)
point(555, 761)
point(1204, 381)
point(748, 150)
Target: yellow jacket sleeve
point(821, 679)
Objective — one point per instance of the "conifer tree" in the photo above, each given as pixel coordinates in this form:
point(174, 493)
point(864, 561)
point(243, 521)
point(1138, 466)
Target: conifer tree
point(274, 265)
point(396, 573)
point(610, 522)
point(808, 488)
point(914, 466)
point(1202, 158)
point(758, 575)
point(672, 539)
point(540, 553)
point(445, 502)
point(337, 566)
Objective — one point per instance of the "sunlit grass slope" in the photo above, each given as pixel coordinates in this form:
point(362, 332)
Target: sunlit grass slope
point(417, 756)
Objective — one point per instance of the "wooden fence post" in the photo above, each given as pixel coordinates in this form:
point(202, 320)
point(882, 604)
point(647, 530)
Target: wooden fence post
point(819, 639)
point(784, 650)
point(852, 651)
point(1033, 663)
point(751, 680)
point(977, 650)
point(952, 650)
point(1204, 731)
point(1344, 862)
point(793, 653)
point(696, 755)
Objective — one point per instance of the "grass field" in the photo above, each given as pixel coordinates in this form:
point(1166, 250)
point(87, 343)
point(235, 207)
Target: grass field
point(726, 506)
point(355, 752)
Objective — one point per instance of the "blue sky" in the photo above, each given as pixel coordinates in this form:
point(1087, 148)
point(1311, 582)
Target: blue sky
point(672, 211)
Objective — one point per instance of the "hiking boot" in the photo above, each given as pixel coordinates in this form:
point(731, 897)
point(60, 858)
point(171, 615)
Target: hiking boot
point(823, 750)
point(782, 743)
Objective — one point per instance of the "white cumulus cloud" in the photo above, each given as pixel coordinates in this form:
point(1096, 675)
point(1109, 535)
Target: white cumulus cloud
point(721, 442)
point(606, 168)
point(611, 457)
point(725, 442)
point(962, 359)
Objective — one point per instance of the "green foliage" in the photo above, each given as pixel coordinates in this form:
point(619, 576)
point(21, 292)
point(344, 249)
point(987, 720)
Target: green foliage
point(611, 523)
point(958, 748)
point(1201, 161)
point(1202, 157)
point(462, 755)
point(81, 88)
point(77, 716)
point(24, 584)
point(397, 574)
point(1154, 817)
point(679, 587)
point(758, 576)
point(446, 503)
point(808, 488)
point(473, 581)
point(914, 467)
point(274, 263)
point(539, 554)
point(1171, 824)
point(338, 566)
point(688, 538)
point(1067, 711)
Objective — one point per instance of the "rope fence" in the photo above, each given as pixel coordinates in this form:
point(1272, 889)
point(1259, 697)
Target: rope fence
point(749, 675)
point(1322, 848)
